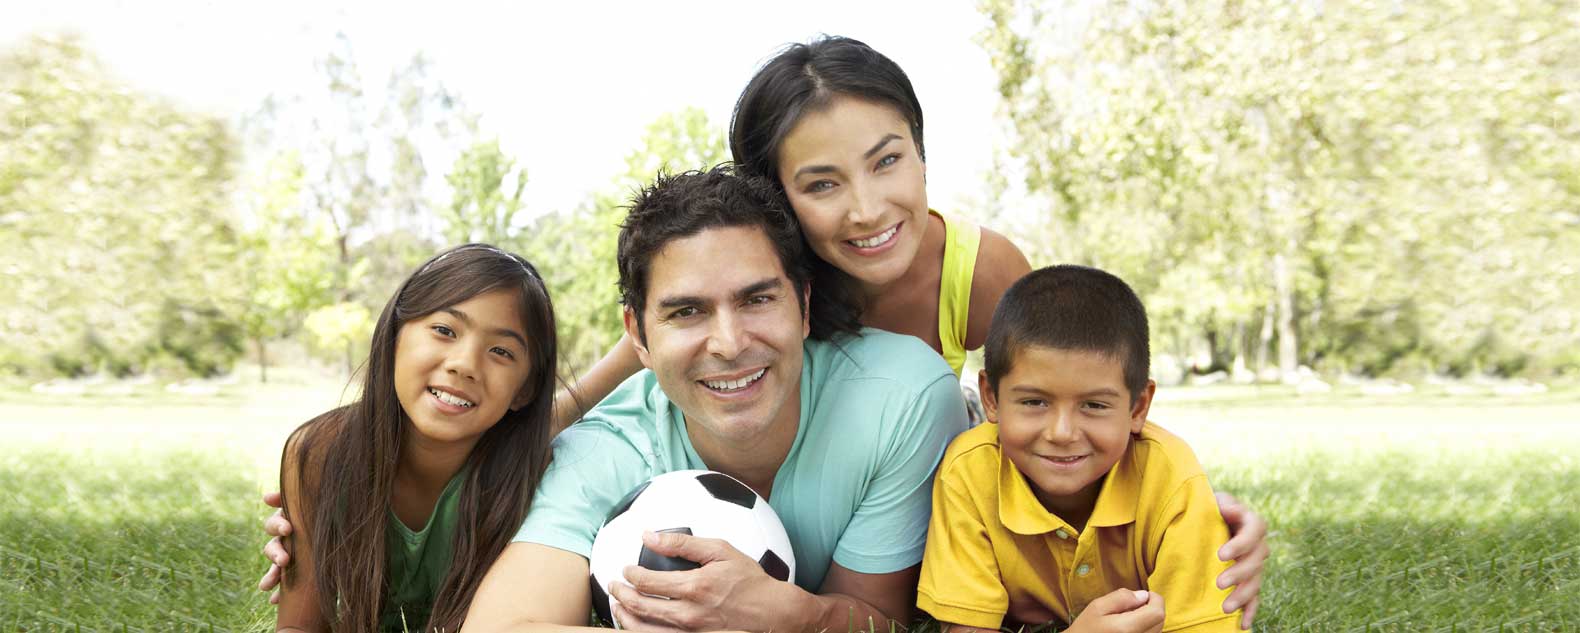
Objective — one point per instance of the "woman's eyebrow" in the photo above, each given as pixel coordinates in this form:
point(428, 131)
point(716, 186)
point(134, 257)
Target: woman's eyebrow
point(881, 142)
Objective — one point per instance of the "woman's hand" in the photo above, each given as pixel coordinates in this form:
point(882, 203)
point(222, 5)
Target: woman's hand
point(275, 526)
point(1247, 547)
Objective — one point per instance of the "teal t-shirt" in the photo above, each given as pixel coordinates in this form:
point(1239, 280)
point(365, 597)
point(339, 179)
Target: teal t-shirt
point(418, 561)
point(877, 412)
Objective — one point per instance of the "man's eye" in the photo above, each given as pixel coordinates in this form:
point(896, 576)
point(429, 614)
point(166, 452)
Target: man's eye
point(683, 313)
point(759, 299)
point(443, 330)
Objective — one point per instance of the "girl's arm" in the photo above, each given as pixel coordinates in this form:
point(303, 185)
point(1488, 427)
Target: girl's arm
point(619, 364)
point(299, 604)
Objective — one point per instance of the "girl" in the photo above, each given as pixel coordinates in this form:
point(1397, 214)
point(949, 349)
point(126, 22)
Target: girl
point(401, 499)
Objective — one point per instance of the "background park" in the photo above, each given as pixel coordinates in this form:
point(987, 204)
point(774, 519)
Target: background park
point(1356, 227)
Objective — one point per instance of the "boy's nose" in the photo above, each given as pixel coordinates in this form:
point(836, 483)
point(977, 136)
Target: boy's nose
point(1060, 429)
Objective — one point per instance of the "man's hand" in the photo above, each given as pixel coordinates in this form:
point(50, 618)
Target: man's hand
point(1121, 611)
point(1247, 547)
point(728, 591)
point(275, 526)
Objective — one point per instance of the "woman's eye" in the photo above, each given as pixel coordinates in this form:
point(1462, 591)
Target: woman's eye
point(888, 160)
point(819, 186)
point(443, 330)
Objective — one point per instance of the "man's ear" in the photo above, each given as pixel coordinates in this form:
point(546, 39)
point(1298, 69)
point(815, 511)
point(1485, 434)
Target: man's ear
point(989, 398)
point(1138, 411)
point(806, 310)
point(634, 332)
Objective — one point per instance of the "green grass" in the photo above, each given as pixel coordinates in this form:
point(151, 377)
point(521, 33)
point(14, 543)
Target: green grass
point(1478, 532)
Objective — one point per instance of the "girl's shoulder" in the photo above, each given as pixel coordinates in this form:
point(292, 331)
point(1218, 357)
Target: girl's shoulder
point(306, 449)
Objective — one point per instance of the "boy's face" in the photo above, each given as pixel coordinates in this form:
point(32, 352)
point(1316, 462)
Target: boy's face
point(1065, 418)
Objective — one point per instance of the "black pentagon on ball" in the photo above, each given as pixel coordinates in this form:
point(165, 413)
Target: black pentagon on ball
point(626, 501)
point(600, 602)
point(726, 488)
point(775, 566)
point(655, 561)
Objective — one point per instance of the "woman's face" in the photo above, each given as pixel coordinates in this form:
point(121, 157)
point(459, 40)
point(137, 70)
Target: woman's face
point(858, 186)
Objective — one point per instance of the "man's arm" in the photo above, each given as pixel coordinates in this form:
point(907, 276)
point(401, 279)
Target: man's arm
point(532, 587)
point(731, 590)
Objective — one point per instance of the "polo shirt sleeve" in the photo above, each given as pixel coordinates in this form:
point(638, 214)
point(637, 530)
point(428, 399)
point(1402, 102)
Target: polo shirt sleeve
point(592, 469)
point(889, 527)
point(1186, 568)
point(960, 577)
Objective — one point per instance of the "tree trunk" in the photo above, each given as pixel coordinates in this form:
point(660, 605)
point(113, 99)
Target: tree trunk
point(263, 361)
point(1285, 290)
point(1265, 339)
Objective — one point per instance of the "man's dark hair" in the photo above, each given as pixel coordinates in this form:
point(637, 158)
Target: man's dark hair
point(1070, 308)
point(682, 205)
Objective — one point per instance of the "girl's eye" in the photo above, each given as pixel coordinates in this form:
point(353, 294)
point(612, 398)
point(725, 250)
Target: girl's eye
point(443, 330)
point(888, 160)
point(503, 352)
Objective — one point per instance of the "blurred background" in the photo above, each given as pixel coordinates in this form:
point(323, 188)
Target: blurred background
point(1356, 227)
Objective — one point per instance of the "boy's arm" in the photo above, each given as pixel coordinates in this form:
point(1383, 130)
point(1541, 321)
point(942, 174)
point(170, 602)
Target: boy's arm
point(960, 582)
point(1186, 566)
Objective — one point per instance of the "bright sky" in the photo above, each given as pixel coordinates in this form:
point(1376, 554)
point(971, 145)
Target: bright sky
point(567, 86)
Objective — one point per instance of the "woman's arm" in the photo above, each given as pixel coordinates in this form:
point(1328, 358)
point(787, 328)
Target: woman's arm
point(999, 265)
point(619, 364)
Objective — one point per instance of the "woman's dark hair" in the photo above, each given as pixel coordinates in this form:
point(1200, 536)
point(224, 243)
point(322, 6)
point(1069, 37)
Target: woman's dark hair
point(682, 205)
point(346, 458)
point(805, 78)
point(802, 79)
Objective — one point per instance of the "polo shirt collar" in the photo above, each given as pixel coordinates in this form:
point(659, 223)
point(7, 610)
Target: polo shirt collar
point(1022, 513)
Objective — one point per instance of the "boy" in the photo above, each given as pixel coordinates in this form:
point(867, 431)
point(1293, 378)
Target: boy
point(1070, 494)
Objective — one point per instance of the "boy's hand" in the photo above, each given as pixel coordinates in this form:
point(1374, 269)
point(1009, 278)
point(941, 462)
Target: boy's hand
point(1121, 611)
point(1247, 547)
point(275, 526)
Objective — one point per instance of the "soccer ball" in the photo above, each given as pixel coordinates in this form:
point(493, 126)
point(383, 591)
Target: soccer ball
point(701, 503)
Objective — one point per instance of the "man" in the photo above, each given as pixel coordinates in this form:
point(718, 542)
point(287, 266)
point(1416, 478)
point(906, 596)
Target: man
point(840, 432)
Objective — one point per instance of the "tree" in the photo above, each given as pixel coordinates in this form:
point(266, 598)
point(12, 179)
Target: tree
point(485, 195)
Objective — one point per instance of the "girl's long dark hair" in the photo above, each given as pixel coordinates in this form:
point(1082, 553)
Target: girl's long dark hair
point(347, 457)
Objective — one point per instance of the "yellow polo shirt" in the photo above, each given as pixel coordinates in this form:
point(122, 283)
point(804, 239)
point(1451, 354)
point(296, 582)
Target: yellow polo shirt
point(994, 554)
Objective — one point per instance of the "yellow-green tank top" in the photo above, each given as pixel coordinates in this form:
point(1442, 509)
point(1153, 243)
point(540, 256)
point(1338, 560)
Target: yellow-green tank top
point(962, 238)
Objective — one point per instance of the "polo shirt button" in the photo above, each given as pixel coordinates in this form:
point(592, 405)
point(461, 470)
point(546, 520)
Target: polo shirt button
point(1061, 533)
point(1083, 570)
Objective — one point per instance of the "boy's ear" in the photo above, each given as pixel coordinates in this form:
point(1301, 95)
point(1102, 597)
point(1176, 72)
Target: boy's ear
point(989, 398)
point(1138, 411)
point(635, 334)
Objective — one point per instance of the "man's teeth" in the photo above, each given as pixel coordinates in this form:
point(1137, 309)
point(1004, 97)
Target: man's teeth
point(446, 398)
point(737, 384)
point(878, 239)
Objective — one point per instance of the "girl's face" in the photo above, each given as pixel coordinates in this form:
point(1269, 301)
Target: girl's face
point(858, 187)
point(459, 369)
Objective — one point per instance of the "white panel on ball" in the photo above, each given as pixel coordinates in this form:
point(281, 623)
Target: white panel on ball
point(703, 503)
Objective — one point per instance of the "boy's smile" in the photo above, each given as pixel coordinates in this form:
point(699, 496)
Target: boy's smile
point(1065, 418)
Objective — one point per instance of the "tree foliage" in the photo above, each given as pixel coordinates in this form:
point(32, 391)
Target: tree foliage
point(1371, 186)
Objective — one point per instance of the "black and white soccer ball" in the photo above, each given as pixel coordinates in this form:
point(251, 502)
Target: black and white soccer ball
point(701, 503)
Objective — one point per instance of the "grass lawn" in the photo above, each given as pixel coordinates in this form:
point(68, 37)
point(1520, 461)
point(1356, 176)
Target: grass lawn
point(139, 512)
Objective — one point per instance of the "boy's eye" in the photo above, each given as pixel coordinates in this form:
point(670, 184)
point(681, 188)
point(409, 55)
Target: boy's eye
point(1034, 402)
point(443, 330)
point(1097, 405)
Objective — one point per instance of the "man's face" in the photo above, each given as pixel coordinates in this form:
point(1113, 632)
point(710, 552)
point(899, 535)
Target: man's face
point(724, 329)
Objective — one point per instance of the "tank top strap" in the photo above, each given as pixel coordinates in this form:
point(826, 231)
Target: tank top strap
point(962, 238)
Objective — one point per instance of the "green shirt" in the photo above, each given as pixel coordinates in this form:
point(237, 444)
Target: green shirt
point(877, 412)
point(418, 561)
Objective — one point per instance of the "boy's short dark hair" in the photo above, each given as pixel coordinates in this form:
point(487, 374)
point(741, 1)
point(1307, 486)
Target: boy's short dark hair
point(1074, 308)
